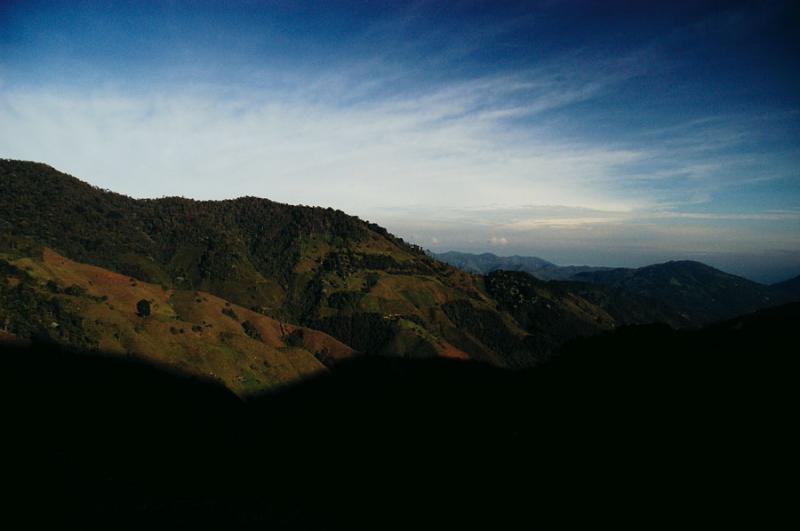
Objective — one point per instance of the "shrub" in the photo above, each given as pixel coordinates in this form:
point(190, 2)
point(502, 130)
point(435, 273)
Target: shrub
point(251, 330)
point(143, 308)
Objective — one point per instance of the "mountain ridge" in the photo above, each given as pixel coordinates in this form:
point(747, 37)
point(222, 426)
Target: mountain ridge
point(484, 263)
point(348, 283)
point(313, 267)
point(682, 293)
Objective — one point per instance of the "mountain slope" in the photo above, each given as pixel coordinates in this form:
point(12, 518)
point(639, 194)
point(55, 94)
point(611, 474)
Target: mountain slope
point(699, 293)
point(789, 288)
point(53, 298)
point(625, 307)
point(313, 267)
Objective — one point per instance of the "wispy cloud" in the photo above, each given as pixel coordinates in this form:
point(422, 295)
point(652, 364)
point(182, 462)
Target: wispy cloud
point(451, 144)
point(460, 164)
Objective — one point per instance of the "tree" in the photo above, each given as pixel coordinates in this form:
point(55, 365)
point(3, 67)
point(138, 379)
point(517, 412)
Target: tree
point(143, 308)
point(251, 330)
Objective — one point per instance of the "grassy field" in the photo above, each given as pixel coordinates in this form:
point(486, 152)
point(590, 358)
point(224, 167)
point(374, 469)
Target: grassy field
point(193, 332)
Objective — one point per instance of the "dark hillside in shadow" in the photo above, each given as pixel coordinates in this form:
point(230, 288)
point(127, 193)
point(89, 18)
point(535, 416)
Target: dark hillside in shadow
point(641, 426)
point(696, 291)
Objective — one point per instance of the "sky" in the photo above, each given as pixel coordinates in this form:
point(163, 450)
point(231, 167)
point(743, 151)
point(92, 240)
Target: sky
point(600, 133)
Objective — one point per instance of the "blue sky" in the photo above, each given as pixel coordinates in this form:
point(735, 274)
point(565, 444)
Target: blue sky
point(608, 133)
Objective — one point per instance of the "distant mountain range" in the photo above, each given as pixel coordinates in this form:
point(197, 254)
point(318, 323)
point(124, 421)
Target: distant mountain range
point(257, 294)
point(487, 262)
point(681, 293)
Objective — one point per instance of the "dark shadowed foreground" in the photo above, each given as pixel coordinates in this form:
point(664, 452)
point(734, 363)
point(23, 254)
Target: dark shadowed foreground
point(639, 427)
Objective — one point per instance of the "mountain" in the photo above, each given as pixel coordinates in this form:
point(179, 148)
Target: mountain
point(293, 277)
point(193, 332)
point(627, 307)
point(148, 347)
point(679, 293)
point(789, 288)
point(258, 294)
point(642, 424)
point(488, 262)
point(699, 293)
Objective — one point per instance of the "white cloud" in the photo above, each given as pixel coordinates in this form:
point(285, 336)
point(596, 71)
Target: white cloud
point(449, 145)
point(443, 165)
